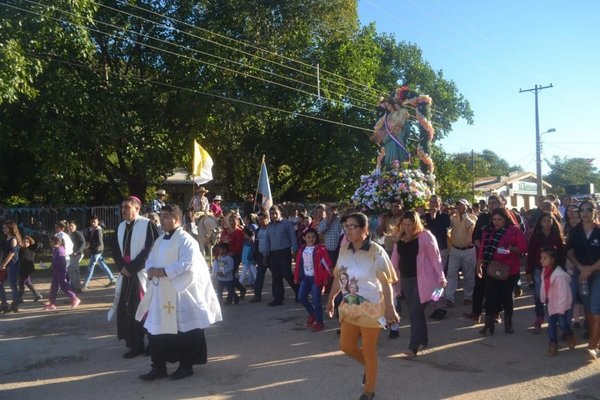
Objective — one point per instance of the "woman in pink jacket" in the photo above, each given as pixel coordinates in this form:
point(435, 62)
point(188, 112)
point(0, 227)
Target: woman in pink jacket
point(556, 293)
point(417, 258)
point(502, 242)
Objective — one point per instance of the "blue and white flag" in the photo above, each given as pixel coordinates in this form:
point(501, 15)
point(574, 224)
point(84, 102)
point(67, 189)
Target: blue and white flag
point(264, 188)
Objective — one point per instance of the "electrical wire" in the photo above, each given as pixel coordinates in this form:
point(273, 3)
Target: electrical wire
point(165, 50)
point(244, 44)
point(372, 109)
point(377, 92)
point(172, 86)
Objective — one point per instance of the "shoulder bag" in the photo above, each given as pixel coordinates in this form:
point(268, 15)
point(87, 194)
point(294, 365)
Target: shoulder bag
point(497, 270)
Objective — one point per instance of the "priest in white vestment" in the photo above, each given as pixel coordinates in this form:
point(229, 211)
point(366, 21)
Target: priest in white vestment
point(180, 302)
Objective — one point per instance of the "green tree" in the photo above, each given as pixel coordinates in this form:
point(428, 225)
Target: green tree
point(571, 171)
point(107, 97)
point(454, 179)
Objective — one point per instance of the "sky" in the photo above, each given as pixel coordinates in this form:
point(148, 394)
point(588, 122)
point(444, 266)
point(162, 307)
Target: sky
point(491, 50)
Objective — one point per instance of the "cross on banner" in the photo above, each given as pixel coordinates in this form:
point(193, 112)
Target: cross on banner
point(168, 307)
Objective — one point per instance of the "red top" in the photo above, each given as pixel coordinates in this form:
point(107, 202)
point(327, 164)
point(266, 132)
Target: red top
point(235, 240)
point(512, 237)
point(216, 209)
point(537, 242)
point(321, 264)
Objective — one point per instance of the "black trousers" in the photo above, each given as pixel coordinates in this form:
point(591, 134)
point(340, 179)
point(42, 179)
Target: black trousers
point(280, 264)
point(499, 295)
point(237, 259)
point(478, 295)
point(187, 348)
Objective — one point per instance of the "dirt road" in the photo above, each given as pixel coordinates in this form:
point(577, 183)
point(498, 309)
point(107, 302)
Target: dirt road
point(261, 352)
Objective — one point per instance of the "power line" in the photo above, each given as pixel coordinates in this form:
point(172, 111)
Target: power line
point(377, 92)
point(171, 52)
point(373, 110)
point(244, 44)
point(164, 84)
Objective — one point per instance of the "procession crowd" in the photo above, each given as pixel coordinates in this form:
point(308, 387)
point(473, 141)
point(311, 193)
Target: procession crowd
point(369, 269)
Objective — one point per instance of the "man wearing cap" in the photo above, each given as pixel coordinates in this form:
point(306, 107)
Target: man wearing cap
point(215, 206)
point(158, 202)
point(135, 237)
point(462, 254)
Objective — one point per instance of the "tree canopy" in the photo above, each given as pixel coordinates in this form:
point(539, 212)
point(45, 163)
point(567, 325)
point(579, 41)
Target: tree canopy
point(571, 171)
point(99, 99)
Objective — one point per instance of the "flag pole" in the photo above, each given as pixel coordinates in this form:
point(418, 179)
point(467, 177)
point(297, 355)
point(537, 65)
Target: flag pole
point(193, 170)
point(256, 194)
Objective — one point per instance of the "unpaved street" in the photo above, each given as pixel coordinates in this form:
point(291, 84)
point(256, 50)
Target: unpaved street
point(261, 352)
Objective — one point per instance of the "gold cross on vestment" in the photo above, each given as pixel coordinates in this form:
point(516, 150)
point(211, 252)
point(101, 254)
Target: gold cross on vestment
point(169, 307)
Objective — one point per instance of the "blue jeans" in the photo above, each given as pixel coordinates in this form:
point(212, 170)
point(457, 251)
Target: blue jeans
point(559, 320)
point(591, 302)
point(97, 259)
point(537, 287)
point(307, 285)
point(12, 271)
point(231, 294)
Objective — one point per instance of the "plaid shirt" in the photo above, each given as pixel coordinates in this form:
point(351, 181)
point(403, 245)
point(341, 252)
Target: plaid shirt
point(331, 232)
point(281, 235)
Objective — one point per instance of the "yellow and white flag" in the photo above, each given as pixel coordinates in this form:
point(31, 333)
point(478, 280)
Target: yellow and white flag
point(202, 165)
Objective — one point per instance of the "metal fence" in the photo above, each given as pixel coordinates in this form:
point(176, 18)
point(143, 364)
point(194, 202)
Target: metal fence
point(39, 222)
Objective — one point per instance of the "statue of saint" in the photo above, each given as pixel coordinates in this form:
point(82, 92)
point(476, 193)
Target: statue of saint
point(390, 132)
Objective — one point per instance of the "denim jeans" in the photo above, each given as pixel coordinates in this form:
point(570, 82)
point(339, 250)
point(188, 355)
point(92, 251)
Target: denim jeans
point(559, 320)
point(537, 288)
point(12, 271)
point(13, 279)
point(307, 285)
point(97, 259)
point(231, 294)
point(591, 302)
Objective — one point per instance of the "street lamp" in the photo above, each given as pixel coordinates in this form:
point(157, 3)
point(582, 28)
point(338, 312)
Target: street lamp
point(538, 154)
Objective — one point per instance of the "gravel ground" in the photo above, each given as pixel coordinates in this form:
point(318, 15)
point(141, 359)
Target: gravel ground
point(261, 352)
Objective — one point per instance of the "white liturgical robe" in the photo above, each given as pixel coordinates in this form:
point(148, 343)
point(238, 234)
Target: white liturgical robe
point(185, 299)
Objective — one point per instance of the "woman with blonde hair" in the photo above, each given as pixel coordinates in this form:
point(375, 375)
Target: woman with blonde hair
point(9, 267)
point(419, 263)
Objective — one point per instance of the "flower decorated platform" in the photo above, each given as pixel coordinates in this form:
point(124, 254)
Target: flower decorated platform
point(393, 179)
point(382, 187)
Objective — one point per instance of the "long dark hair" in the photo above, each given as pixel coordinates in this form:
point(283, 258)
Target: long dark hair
point(503, 212)
point(555, 229)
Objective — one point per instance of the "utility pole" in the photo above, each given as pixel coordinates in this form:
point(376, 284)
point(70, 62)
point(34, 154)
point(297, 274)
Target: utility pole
point(538, 144)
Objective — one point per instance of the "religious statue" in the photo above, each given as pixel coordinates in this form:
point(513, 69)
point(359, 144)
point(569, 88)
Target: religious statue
point(392, 132)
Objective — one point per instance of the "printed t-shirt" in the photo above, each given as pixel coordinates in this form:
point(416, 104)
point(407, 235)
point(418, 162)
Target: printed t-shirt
point(358, 273)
